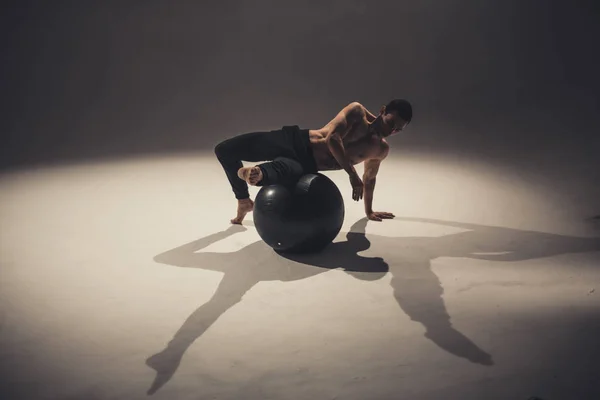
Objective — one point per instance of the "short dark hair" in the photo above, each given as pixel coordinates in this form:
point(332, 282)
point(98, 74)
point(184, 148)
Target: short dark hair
point(402, 107)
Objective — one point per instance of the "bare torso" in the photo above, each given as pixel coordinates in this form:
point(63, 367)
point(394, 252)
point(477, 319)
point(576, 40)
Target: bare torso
point(359, 141)
point(359, 145)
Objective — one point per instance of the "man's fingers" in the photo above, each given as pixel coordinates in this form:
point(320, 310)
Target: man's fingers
point(357, 193)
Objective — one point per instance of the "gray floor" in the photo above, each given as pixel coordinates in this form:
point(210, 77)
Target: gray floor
point(123, 279)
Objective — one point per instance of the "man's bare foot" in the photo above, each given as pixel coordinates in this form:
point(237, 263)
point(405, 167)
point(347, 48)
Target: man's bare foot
point(252, 175)
point(244, 207)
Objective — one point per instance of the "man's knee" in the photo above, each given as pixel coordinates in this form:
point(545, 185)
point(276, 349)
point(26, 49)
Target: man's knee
point(291, 167)
point(221, 149)
point(281, 170)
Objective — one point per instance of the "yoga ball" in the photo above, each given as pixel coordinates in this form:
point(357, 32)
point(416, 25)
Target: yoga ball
point(303, 217)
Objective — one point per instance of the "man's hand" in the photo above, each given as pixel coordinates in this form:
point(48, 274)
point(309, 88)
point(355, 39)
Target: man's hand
point(379, 215)
point(357, 187)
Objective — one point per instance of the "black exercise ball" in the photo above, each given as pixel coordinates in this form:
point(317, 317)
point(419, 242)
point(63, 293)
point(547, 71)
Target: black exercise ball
point(299, 218)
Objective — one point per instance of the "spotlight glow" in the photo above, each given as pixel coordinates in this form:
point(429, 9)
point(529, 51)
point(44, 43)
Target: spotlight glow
point(85, 300)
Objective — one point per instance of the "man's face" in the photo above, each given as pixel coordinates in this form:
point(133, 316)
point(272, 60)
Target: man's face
point(392, 123)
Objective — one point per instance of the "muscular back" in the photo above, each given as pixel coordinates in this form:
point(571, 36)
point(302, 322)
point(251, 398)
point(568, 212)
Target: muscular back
point(352, 125)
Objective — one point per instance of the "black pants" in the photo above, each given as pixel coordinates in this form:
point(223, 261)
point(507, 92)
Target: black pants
point(287, 151)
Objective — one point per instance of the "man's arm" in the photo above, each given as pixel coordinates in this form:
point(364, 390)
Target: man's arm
point(370, 178)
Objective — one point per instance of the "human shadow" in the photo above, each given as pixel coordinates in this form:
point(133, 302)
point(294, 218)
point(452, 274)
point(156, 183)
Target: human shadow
point(416, 289)
point(242, 270)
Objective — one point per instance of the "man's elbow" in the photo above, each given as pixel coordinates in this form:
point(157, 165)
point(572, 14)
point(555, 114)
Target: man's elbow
point(333, 137)
point(355, 105)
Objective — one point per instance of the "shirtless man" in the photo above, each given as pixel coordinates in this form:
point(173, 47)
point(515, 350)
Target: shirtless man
point(353, 136)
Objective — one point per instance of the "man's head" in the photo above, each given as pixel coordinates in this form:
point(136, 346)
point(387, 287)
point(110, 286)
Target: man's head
point(395, 116)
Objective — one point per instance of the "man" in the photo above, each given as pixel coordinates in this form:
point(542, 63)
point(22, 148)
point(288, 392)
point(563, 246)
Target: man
point(353, 136)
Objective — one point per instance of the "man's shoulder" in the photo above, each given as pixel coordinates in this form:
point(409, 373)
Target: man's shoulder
point(354, 110)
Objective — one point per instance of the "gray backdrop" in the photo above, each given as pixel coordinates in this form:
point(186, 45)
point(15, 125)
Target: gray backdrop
point(515, 81)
